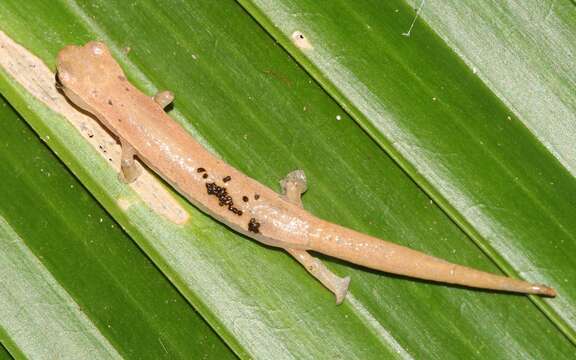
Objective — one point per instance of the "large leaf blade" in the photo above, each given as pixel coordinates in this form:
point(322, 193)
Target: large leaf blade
point(37, 327)
point(524, 52)
point(278, 112)
point(68, 289)
point(449, 130)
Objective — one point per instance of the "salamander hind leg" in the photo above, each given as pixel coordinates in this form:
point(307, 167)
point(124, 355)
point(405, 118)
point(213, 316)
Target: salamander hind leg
point(293, 186)
point(129, 169)
point(334, 283)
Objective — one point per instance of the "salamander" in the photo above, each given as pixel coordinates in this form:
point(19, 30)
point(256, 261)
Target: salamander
point(92, 79)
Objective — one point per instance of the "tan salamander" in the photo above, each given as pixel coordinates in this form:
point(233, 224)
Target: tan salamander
point(93, 80)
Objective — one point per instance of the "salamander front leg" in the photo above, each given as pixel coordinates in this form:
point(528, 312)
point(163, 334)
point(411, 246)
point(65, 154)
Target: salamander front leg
point(293, 186)
point(164, 98)
point(129, 169)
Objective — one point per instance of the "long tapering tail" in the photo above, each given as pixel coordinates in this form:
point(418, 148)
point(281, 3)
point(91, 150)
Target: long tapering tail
point(381, 255)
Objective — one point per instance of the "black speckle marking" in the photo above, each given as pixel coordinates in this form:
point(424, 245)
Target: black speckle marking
point(200, 170)
point(110, 102)
point(254, 226)
point(91, 136)
point(256, 196)
point(127, 89)
point(224, 199)
point(227, 178)
point(121, 78)
point(220, 193)
point(205, 176)
point(245, 198)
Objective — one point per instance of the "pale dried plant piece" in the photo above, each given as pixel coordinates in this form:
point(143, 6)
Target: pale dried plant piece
point(38, 80)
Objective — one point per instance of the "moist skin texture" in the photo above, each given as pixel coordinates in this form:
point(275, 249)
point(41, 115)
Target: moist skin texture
point(93, 80)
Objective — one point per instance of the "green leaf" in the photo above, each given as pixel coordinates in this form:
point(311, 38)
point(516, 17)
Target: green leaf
point(4, 354)
point(527, 61)
point(69, 289)
point(449, 128)
point(425, 171)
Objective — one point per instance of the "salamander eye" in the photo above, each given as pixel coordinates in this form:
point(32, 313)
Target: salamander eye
point(97, 48)
point(62, 76)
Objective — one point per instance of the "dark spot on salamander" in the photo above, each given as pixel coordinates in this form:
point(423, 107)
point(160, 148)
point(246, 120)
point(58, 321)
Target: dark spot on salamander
point(254, 226)
point(227, 178)
point(121, 78)
point(235, 210)
point(127, 89)
point(220, 193)
point(256, 196)
point(200, 170)
point(110, 102)
point(245, 198)
point(224, 199)
point(91, 136)
point(205, 176)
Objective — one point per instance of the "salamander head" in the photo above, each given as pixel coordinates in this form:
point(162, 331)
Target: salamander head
point(83, 69)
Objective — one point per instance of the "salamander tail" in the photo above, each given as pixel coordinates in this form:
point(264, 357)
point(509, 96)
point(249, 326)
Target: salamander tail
point(385, 256)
